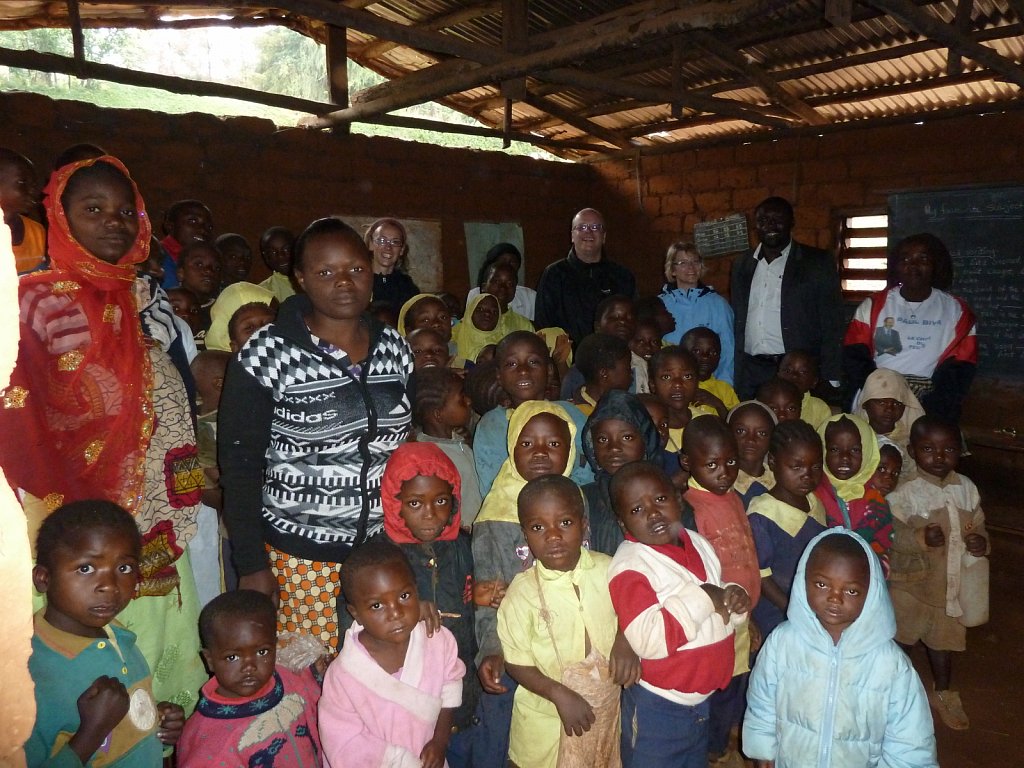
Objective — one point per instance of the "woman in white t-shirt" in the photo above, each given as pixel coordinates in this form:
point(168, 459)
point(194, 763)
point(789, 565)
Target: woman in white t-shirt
point(917, 328)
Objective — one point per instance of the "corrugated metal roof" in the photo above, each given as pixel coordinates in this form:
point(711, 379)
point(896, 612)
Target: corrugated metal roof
point(738, 67)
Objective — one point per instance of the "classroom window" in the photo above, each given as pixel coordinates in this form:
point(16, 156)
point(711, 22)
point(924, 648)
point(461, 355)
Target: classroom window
point(863, 251)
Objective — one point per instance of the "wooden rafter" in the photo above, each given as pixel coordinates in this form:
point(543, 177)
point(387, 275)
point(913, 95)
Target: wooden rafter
point(962, 22)
point(380, 47)
point(570, 118)
point(772, 89)
point(924, 23)
point(642, 30)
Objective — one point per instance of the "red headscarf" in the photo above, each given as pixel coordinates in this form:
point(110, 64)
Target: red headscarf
point(80, 396)
point(416, 460)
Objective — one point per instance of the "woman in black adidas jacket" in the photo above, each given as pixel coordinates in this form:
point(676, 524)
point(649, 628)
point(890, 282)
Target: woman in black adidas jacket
point(313, 406)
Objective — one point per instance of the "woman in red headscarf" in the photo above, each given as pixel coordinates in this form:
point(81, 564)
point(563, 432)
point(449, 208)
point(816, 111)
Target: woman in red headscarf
point(97, 407)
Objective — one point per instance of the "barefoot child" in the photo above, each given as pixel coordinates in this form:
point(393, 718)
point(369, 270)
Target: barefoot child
point(710, 456)
point(830, 687)
point(939, 534)
point(677, 614)
point(390, 696)
point(752, 423)
point(421, 492)
point(93, 688)
point(787, 517)
point(248, 690)
point(558, 635)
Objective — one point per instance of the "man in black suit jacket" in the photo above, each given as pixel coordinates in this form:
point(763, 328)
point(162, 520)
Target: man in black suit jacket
point(786, 297)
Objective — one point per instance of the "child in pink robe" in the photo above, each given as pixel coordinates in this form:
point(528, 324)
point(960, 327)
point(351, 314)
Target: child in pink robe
point(388, 699)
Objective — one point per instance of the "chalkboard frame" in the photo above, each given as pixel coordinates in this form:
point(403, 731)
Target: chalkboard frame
point(963, 218)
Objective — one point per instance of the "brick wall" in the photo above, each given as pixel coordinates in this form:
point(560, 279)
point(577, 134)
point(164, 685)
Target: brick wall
point(663, 196)
point(253, 176)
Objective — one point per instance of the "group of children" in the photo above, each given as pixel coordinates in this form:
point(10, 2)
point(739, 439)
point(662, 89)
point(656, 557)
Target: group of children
point(589, 557)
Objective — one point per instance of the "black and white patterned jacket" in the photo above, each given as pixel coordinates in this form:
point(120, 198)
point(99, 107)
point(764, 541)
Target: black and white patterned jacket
point(303, 438)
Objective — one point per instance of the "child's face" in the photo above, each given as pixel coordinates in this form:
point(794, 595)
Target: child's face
point(616, 443)
point(785, 407)
point(714, 465)
point(675, 382)
point(384, 600)
point(837, 586)
point(17, 188)
point(192, 223)
point(457, 409)
point(659, 415)
point(426, 506)
point(708, 351)
point(102, 217)
point(646, 340)
point(843, 451)
point(887, 474)
point(430, 313)
point(936, 451)
point(92, 578)
point(553, 391)
point(485, 316)
point(429, 349)
point(883, 413)
point(797, 469)
point(553, 531)
point(237, 261)
point(753, 431)
point(241, 656)
point(618, 320)
point(277, 252)
point(648, 509)
point(800, 370)
point(620, 375)
point(501, 283)
point(542, 447)
point(184, 305)
point(337, 277)
point(249, 320)
point(199, 272)
point(523, 371)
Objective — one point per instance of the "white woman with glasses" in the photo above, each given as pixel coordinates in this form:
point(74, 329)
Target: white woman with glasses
point(693, 304)
point(387, 241)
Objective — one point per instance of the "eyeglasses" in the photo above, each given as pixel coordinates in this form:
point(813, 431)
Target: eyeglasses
point(597, 227)
point(395, 242)
point(686, 263)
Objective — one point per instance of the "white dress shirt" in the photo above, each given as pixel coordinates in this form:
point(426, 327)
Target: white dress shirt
point(763, 333)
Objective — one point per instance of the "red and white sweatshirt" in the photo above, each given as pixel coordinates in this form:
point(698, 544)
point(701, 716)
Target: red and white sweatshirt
point(686, 650)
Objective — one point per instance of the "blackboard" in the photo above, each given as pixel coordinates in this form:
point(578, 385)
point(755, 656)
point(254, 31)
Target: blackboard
point(984, 231)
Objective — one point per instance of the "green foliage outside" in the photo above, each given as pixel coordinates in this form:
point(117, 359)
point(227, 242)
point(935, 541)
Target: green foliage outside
point(269, 59)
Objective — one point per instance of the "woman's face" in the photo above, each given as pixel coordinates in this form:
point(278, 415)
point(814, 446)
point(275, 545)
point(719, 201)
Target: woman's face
point(915, 267)
point(387, 246)
point(685, 269)
point(102, 217)
point(336, 275)
point(501, 283)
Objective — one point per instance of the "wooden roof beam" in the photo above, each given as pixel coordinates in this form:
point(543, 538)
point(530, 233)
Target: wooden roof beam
point(401, 94)
point(570, 118)
point(1018, 8)
point(927, 25)
point(380, 47)
point(735, 60)
point(962, 21)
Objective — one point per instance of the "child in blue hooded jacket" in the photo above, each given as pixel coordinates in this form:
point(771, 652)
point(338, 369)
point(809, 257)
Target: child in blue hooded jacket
point(831, 688)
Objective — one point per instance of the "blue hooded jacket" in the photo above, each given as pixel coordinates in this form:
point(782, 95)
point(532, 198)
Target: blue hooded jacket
point(855, 704)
